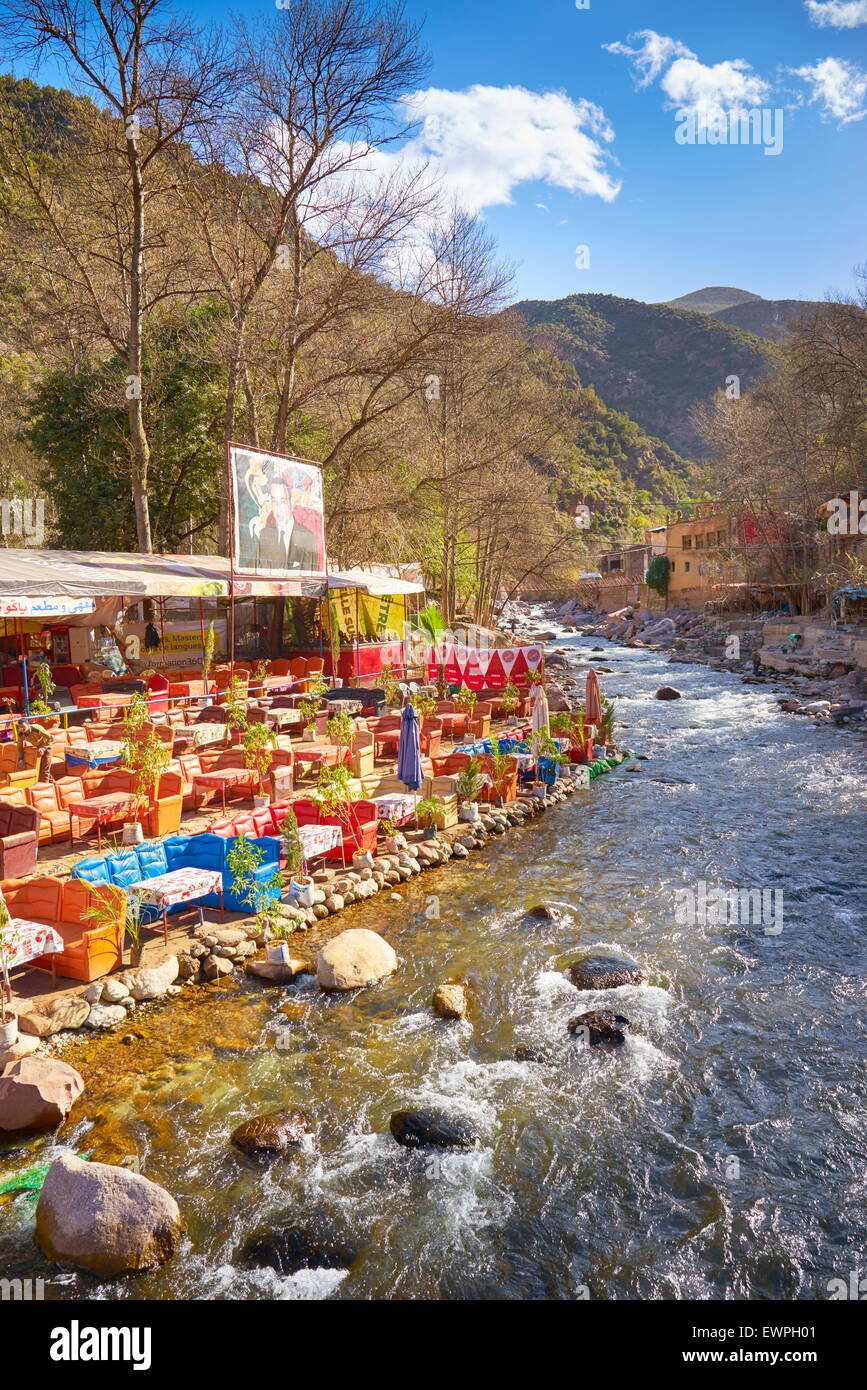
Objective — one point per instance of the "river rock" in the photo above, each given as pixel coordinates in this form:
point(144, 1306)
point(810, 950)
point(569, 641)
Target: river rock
point(152, 982)
point(115, 992)
point(317, 1244)
point(354, 958)
point(416, 1129)
point(104, 1219)
point(62, 1013)
point(274, 1133)
point(450, 999)
point(214, 967)
point(106, 1015)
point(604, 972)
point(37, 1093)
point(533, 1054)
point(668, 692)
point(601, 1027)
point(276, 973)
point(543, 912)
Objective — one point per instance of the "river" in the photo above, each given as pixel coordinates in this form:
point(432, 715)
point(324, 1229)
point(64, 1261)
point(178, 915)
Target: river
point(720, 1154)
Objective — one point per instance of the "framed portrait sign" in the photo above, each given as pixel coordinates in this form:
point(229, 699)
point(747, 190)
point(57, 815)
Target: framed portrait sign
point(277, 514)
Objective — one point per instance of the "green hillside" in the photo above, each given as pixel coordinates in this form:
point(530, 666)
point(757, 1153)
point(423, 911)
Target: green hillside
point(648, 361)
point(711, 299)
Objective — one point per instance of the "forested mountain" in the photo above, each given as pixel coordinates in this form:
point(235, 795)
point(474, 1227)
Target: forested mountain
point(653, 363)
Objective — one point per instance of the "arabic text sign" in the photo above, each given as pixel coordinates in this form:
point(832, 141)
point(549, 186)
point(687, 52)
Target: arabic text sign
point(45, 607)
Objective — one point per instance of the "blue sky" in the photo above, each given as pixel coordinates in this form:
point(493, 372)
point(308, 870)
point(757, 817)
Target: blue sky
point(561, 143)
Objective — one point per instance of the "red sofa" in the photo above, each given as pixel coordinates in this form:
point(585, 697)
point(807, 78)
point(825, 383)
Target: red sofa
point(19, 840)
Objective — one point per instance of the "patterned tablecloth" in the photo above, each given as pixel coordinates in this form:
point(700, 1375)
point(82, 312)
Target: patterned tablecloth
point(102, 750)
point(203, 733)
point(27, 940)
point(395, 807)
point(101, 808)
point(319, 839)
point(178, 886)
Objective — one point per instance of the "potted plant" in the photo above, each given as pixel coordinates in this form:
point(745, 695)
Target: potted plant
point(42, 708)
point(109, 908)
point(501, 764)
point(391, 686)
point(427, 813)
point(340, 729)
point(261, 895)
point(606, 724)
point(257, 679)
point(394, 840)
point(423, 703)
point(467, 698)
point(258, 741)
point(10, 941)
point(301, 886)
point(510, 702)
point(310, 706)
point(236, 707)
point(146, 756)
point(470, 784)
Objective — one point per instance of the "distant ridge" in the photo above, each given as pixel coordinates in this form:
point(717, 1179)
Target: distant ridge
point(711, 299)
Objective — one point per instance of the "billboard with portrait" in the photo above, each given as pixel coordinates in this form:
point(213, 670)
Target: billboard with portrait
point(278, 514)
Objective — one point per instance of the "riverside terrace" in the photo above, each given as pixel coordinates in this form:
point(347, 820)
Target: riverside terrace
point(368, 837)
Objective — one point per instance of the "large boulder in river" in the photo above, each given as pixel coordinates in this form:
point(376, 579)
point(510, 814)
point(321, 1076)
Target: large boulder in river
point(37, 1093)
point(317, 1244)
point(599, 1027)
point(274, 1133)
point(105, 1220)
point(604, 972)
point(416, 1129)
point(667, 692)
point(354, 958)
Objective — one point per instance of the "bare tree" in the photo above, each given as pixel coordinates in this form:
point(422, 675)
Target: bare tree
point(304, 235)
point(107, 248)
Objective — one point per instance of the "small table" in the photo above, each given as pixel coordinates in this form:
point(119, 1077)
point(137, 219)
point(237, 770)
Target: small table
point(329, 754)
point(221, 778)
point(32, 940)
point(319, 839)
point(101, 809)
point(396, 807)
point(102, 750)
point(178, 886)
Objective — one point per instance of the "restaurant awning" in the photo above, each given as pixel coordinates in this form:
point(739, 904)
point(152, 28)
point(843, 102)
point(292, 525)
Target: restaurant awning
point(60, 575)
point(375, 582)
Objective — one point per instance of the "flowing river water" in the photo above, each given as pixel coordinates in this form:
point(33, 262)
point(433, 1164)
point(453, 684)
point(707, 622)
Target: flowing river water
point(720, 1154)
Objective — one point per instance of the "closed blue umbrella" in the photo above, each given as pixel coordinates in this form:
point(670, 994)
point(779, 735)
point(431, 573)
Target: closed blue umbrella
point(409, 768)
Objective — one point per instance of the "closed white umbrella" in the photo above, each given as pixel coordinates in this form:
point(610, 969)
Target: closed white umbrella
point(540, 720)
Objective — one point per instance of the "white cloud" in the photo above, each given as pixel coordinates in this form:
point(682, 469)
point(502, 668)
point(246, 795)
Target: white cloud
point(485, 141)
point(711, 91)
point(655, 53)
point(840, 87)
point(837, 14)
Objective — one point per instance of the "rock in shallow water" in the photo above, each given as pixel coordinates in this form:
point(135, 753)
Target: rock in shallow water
point(317, 1244)
point(105, 1220)
point(667, 692)
point(543, 912)
point(599, 1027)
point(604, 972)
point(354, 958)
point(450, 999)
point(275, 1133)
point(416, 1129)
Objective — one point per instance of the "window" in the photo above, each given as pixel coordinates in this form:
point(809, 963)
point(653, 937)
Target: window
point(687, 542)
point(699, 542)
point(671, 567)
point(686, 566)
